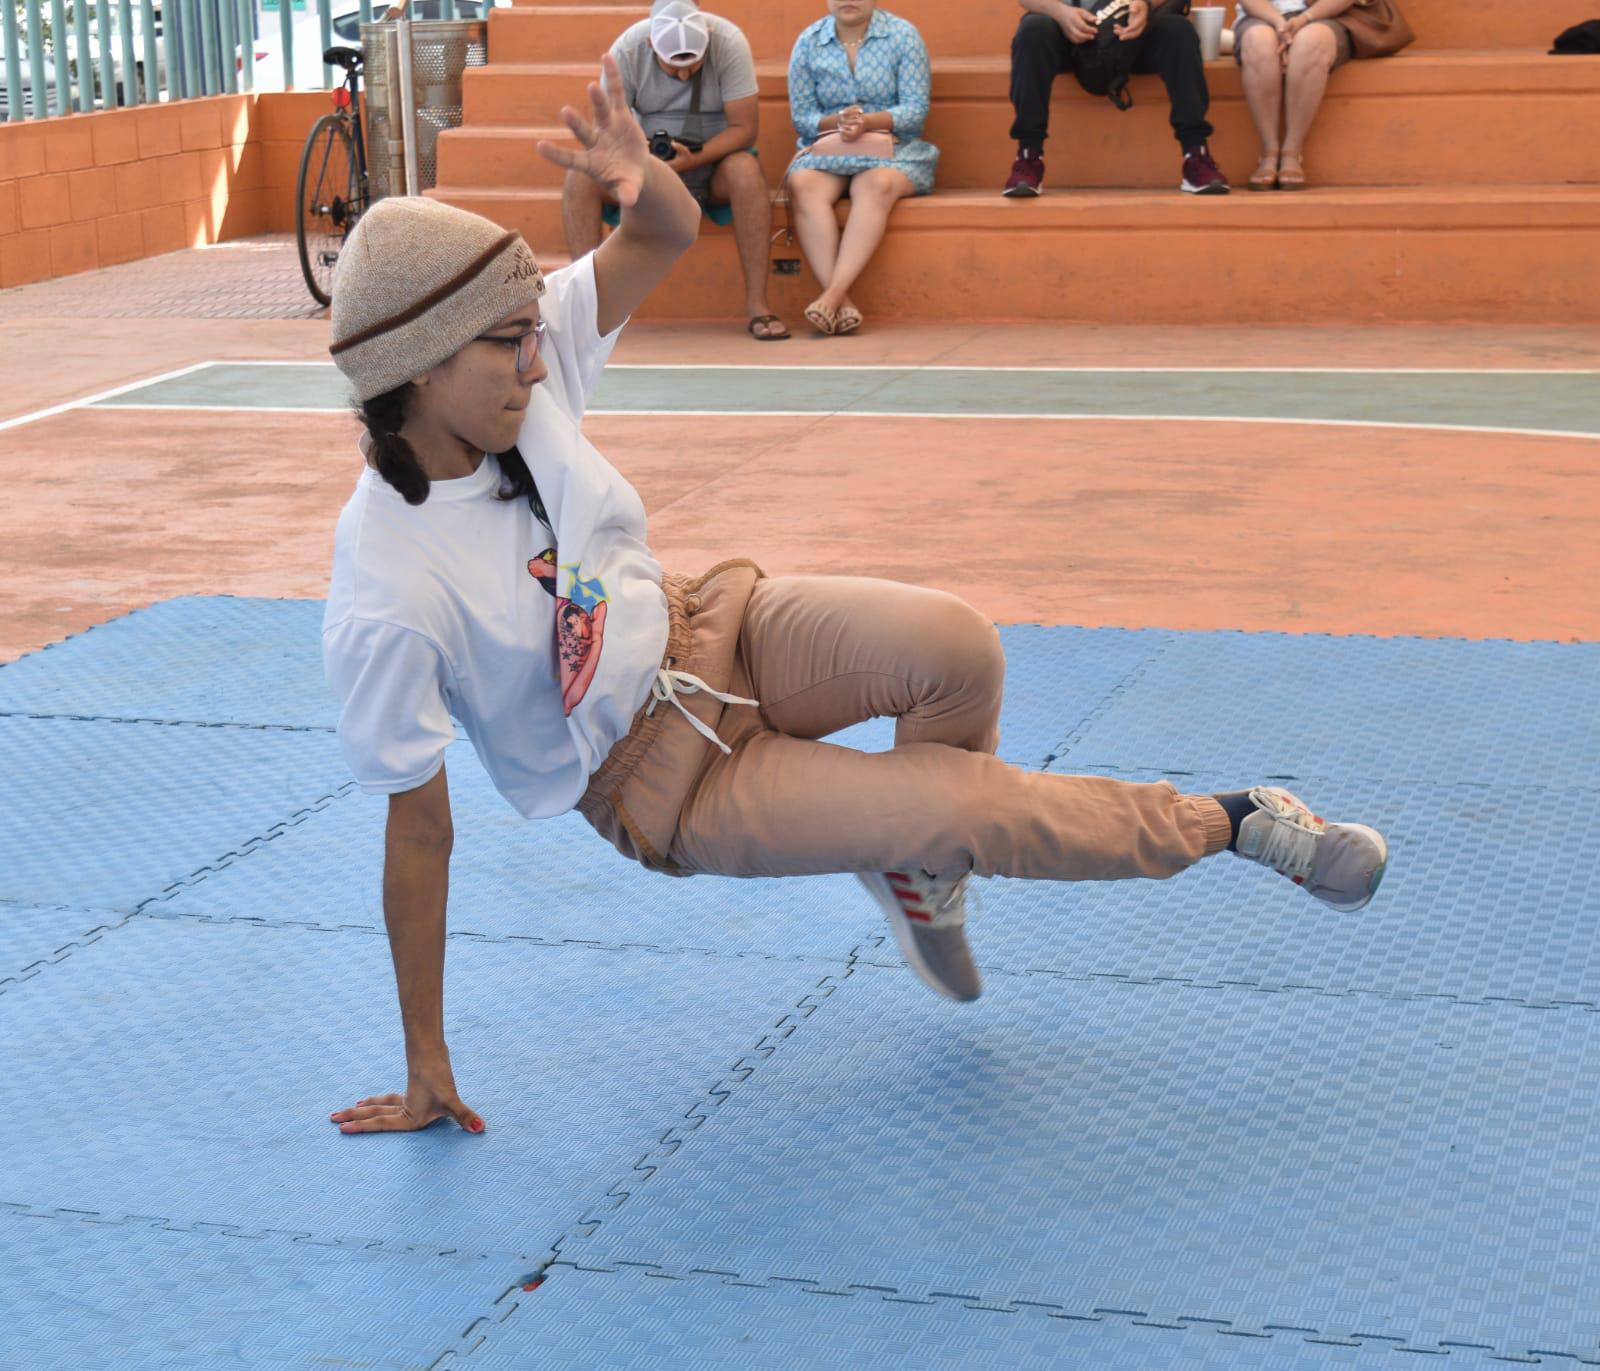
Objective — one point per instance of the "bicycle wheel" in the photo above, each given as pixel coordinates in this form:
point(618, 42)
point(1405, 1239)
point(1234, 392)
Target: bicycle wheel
point(326, 202)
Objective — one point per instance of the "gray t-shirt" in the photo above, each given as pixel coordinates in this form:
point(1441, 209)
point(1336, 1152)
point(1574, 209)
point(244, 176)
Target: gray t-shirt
point(662, 101)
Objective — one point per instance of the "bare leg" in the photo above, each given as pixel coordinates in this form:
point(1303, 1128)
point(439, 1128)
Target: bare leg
point(581, 200)
point(872, 195)
point(1310, 60)
point(812, 196)
point(739, 183)
point(1262, 74)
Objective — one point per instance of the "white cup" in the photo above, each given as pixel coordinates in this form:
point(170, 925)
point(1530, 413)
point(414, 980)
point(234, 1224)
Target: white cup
point(1207, 20)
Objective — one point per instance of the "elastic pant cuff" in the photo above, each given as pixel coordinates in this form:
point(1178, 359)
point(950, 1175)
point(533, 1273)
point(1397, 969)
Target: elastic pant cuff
point(1216, 827)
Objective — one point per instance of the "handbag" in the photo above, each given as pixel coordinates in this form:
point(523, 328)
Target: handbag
point(1104, 64)
point(1377, 28)
point(874, 143)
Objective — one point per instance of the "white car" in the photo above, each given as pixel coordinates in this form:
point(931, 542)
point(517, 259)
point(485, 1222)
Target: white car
point(307, 30)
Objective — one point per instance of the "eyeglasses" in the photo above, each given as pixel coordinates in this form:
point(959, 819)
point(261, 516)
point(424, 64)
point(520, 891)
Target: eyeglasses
point(526, 344)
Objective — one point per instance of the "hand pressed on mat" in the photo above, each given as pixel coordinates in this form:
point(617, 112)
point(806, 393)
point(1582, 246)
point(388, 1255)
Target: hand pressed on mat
point(429, 1096)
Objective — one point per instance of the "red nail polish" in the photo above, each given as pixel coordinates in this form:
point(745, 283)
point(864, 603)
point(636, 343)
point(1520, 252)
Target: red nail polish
point(477, 1125)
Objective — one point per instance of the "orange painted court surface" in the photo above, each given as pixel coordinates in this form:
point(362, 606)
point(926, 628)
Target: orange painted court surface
point(1133, 523)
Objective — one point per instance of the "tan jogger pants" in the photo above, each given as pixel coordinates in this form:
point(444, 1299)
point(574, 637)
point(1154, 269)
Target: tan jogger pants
point(821, 653)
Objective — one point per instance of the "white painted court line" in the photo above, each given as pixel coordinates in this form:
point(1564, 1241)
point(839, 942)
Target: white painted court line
point(942, 414)
point(85, 400)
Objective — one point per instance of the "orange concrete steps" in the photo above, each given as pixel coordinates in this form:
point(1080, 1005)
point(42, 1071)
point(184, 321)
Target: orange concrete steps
point(558, 32)
point(1440, 118)
point(1493, 254)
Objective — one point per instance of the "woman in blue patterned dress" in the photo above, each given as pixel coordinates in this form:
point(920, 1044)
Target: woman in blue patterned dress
point(859, 70)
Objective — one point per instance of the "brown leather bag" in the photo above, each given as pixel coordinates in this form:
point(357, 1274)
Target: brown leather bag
point(1377, 28)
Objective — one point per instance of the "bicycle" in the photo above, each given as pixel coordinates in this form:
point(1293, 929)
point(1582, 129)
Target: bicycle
point(331, 193)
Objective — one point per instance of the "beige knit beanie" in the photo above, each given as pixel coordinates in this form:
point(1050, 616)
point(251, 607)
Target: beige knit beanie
point(415, 283)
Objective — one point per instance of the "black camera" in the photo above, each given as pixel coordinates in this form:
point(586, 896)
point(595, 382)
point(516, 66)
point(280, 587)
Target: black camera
point(661, 145)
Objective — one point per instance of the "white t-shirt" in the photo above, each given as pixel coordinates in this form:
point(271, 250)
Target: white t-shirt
point(542, 645)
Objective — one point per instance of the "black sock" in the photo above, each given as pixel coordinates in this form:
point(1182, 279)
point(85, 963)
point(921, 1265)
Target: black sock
point(1237, 804)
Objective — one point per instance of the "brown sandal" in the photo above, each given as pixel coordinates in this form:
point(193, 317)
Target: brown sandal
point(1295, 179)
point(1265, 176)
point(767, 320)
point(849, 319)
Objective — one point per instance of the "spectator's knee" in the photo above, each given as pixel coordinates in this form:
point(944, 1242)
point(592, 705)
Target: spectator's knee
point(1176, 30)
point(1035, 29)
point(741, 171)
point(1260, 44)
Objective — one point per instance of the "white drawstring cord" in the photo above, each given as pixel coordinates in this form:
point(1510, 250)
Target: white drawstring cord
point(665, 689)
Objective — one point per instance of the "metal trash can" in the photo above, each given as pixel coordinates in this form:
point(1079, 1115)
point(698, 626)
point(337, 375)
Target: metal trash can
point(441, 50)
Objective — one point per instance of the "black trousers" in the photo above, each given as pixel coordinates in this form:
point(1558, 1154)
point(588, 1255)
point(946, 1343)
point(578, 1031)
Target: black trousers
point(1169, 47)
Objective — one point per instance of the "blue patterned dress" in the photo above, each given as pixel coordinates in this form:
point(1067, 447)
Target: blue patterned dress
point(891, 74)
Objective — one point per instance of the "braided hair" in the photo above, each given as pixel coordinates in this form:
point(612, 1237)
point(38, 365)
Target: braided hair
point(384, 415)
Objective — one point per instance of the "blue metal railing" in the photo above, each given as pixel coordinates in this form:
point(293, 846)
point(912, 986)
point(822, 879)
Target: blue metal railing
point(62, 56)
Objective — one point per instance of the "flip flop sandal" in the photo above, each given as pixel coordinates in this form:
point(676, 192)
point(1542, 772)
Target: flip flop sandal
point(824, 321)
point(768, 337)
point(1292, 180)
point(849, 320)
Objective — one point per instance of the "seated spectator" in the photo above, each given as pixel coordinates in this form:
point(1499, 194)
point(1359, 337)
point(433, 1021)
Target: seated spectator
point(1287, 49)
point(690, 76)
point(860, 71)
point(1054, 36)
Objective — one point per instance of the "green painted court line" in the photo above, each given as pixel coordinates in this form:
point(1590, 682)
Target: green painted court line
point(1524, 401)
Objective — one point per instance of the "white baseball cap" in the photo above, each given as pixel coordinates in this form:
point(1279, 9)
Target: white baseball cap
point(678, 32)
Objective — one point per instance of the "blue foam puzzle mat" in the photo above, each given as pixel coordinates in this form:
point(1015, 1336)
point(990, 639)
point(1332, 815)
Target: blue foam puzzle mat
point(631, 1321)
point(33, 937)
point(1258, 705)
point(257, 663)
point(107, 815)
point(202, 658)
point(1349, 1166)
point(1491, 891)
point(186, 1070)
point(549, 881)
point(87, 1296)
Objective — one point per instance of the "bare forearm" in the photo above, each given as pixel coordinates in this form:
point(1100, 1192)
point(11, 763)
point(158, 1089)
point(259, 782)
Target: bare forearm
point(732, 139)
point(1328, 9)
point(665, 212)
point(1260, 9)
point(416, 882)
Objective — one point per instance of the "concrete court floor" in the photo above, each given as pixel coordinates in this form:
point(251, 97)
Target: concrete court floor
point(1127, 522)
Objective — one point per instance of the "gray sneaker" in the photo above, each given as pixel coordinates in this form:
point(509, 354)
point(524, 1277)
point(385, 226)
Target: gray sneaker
point(929, 916)
point(1341, 864)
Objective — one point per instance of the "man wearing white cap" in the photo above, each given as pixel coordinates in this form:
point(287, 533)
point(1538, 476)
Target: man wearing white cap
point(690, 79)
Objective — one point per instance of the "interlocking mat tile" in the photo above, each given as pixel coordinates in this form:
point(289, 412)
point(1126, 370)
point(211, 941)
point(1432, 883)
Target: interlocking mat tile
point(1254, 705)
point(636, 1321)
point(34, 937)
point(186, 1070)
point(1491, 891)
point(210, 659)
point(1293, 1164)
point(107, 815)
point(89, 1296)
point(255, 662)
point(550, 881)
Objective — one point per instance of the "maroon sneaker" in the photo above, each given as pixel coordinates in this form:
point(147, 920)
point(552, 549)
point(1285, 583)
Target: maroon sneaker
point(1027, 173)
point(1202, 176)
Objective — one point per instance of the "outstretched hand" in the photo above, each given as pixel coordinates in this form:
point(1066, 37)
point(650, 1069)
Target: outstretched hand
point(614, 151)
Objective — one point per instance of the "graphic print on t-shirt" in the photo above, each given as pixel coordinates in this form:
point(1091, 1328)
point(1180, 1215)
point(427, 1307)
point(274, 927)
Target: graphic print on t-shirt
point(580, 623)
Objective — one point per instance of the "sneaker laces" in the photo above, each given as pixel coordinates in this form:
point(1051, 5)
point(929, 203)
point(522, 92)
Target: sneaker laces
point(670, 683)
point(1290, 845)
point(931, 900)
